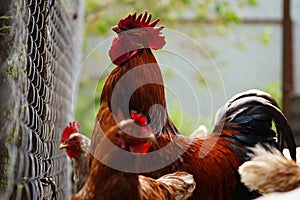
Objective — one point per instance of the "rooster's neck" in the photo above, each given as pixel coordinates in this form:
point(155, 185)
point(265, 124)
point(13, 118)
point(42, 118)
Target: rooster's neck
point(137, 85)
point(143, 56)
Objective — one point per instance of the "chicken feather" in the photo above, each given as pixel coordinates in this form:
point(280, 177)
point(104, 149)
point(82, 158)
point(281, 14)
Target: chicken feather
point(269, 171)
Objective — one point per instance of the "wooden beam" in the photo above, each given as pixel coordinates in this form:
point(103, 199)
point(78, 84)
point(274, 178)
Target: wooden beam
point(250, 21)
point(287, 59)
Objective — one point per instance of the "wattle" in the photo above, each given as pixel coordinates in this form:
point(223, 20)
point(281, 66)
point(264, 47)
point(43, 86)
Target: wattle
point(139, 148)
point(73, 154)
point(124, 58)
point(122, 50)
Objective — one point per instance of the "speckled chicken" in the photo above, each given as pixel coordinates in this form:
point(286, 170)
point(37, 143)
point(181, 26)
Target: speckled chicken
point(77, 147)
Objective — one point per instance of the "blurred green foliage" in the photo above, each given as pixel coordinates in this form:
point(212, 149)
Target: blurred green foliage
point(265, 36)
point(101, 15)
point(274, 89)
point(88, 104)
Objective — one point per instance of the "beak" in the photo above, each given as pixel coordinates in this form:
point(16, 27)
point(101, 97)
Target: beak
point(63, 145)
point(116, 29)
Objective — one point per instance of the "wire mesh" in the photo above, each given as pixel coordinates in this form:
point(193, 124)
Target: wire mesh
point(40, 57)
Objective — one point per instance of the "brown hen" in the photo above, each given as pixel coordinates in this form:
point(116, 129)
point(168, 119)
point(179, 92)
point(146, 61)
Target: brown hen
point(105, 182)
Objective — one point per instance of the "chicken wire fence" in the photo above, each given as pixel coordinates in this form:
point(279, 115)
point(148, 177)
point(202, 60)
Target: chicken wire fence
point(40, 57)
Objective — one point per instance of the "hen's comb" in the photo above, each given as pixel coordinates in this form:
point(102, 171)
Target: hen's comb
point(139, 118)
point(141, 21)
point(73, 127)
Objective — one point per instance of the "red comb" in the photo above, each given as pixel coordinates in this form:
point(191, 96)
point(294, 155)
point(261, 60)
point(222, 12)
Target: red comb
point(153, 34)
point(141, 21)
point(139, 118)
point(125, 46)
point(73, 127)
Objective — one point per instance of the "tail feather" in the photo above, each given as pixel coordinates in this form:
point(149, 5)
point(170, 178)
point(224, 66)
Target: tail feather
point(254, 111)
point(279, 174)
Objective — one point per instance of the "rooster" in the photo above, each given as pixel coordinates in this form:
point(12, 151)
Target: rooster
point(77, 147)
point(105, 182)
point(131, 52)
point(137, 84)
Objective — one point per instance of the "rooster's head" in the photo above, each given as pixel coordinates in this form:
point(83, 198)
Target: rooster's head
point(135, 33)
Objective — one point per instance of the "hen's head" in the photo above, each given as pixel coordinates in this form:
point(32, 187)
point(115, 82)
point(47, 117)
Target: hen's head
point(133, 135)
point(135, 33)
point(72, 140)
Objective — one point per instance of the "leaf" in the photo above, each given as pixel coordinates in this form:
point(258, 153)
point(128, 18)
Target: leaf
point(265, 36)
point(252, 2)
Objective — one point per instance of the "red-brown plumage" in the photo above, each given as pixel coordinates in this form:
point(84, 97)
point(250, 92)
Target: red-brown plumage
point(141, 99)
point(246, 120)
point(106, 183)
point(213, 161)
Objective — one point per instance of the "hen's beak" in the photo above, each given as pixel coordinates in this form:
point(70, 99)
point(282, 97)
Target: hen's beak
point(63, 145)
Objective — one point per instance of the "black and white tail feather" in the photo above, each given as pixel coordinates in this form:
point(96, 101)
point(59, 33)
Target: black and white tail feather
point(254, 111)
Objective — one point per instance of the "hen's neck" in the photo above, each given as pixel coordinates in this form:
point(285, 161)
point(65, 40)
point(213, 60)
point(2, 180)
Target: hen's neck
point(80, 166)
